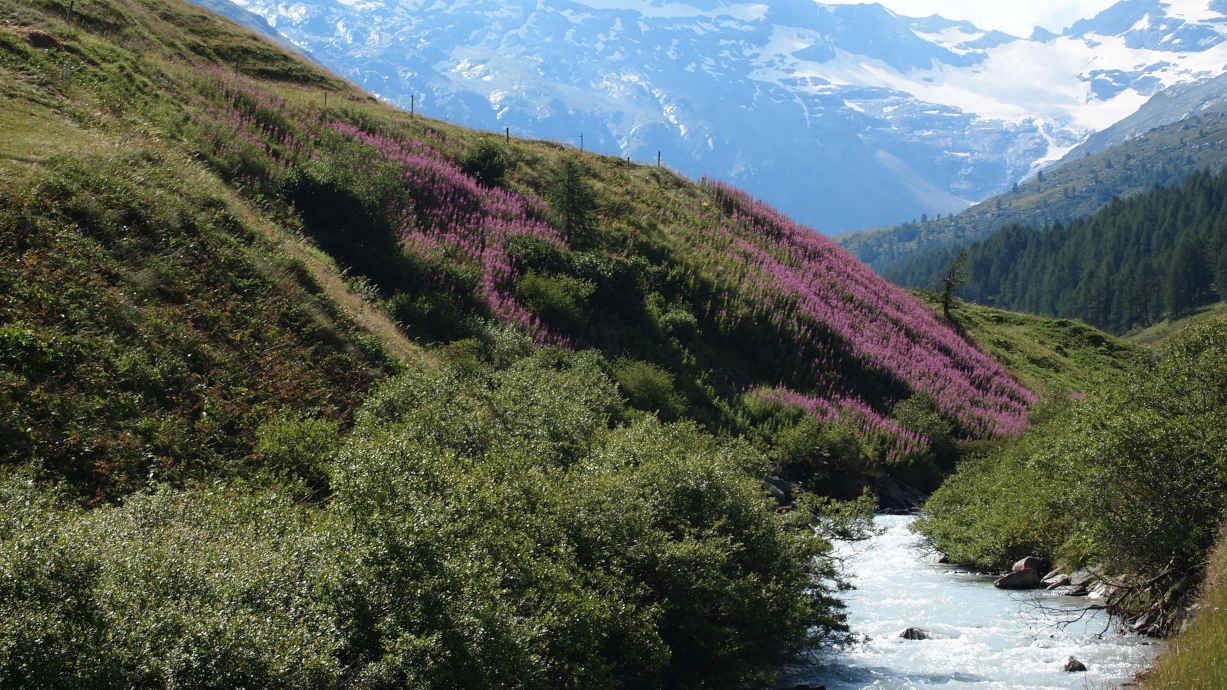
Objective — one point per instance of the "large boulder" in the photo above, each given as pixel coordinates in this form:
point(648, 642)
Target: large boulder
point(1039, 565)
point(1026, 578)
point(914, 634)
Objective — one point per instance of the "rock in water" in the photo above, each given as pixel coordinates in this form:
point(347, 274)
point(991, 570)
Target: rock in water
point(1074, 666)
point(1026, 578)
point(914, 634)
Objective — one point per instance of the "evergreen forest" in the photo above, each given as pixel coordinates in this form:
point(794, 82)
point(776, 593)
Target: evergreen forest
point(1132, 264)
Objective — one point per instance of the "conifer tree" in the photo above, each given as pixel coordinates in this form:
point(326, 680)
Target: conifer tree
point(955, 276)
point(1220, 274)
point(574, 201)
point(1186, 278)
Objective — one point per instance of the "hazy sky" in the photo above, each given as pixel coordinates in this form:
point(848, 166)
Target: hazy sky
point(1017, 17)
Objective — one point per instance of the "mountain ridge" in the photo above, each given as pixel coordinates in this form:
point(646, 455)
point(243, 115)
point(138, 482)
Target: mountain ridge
point(784, 95)
point(1078, 186)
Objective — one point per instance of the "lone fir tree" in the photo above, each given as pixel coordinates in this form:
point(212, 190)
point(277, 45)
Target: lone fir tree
point(951, 280)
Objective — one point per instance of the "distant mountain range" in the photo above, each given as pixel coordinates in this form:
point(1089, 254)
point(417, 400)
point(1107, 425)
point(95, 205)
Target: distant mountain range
point(845, 116)
point(1126, 159)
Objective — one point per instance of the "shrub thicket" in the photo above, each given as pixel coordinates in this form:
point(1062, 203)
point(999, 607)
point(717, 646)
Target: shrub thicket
point(486, 528)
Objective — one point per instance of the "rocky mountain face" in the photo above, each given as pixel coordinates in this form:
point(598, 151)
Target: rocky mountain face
point(845, 116)
point(1180, 103)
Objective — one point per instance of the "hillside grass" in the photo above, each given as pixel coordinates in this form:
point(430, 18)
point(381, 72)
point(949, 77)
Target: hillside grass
point(1163, 331)
point(1049, 355)
point(153, 319)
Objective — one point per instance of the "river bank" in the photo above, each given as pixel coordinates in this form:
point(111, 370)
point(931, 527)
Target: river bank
point(977, 636)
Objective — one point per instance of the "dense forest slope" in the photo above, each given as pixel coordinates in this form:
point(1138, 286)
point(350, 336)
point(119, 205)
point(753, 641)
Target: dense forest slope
point(299, 390)
point(1159, 253)
point(1164, 156)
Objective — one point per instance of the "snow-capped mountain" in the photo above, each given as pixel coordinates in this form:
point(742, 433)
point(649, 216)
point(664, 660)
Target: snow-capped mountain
point(845, 116)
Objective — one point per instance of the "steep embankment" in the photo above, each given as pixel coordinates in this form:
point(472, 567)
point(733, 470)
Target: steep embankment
point(1194, 658)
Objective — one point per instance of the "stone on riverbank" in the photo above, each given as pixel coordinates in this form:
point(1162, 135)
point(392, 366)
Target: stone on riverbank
point(914, 634)
point(1039, 565)
point(1056, 579)
point(1026, 578)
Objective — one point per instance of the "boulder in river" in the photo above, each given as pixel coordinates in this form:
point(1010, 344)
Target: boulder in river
point(1074, 666)
point(914, 634)
point(1039, 565)
point(1026, 578)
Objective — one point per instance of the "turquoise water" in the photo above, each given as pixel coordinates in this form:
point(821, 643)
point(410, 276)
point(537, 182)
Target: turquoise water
point(981, 637)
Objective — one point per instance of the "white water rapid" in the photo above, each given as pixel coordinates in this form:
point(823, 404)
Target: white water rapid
point(980, 637)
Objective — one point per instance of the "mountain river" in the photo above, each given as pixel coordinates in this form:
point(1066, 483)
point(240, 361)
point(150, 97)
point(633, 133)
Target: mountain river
point(980, 637)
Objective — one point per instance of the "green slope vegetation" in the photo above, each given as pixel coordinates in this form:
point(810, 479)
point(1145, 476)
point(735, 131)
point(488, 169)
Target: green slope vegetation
point(1130, 479)
point(1163, 253)
point(1165, 329)
point(1054, 357)
point(149, 322)
point(1162, 157)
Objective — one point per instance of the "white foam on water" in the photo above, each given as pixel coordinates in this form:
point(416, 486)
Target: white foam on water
point(980, 637)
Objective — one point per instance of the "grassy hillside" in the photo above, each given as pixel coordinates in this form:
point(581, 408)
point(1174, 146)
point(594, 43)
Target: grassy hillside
point(1051, 356)
point(1166, 329)
point(298, 390)
point(706, 303)
point(1078, 188)
point(152, 320)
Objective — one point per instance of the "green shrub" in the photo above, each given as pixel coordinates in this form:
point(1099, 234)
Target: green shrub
point(558, 299)
point(649, 387)
point(214, 588)
point(1133, 478)
point(298, 446)
point(486, 162)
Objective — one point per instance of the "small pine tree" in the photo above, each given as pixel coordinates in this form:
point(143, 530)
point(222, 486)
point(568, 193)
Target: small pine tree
point(952, 279)
point(573, 199)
